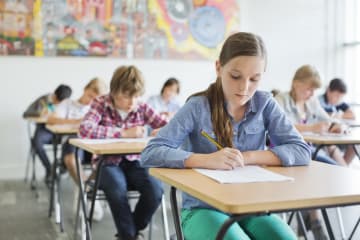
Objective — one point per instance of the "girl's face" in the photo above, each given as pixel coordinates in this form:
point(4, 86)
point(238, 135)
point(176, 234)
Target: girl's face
point(88, 96)
point(303, 90)
point(334, 97)
point(170, 92)
point(240, 78)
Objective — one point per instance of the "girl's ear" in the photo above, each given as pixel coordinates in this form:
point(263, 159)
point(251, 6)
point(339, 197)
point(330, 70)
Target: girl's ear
point(218, 68)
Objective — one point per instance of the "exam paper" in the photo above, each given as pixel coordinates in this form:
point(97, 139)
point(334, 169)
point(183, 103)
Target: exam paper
point(245, 174)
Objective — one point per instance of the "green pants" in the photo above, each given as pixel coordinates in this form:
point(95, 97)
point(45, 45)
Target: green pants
point(204, 224)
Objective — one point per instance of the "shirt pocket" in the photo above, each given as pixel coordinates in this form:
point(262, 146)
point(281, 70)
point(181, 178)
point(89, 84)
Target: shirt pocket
point(253, 137)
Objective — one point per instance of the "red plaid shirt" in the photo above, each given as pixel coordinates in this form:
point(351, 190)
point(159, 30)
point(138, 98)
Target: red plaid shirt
point(104, 121)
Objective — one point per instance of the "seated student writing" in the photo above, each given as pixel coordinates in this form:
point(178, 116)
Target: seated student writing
point(121, 115)
point(166, 103)
point(332, 100)
point(237, 115)
point(42, 107)
point(305, 111)
point(72, 112)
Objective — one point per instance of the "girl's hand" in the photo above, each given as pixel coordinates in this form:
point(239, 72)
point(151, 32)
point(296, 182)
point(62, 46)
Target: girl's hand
point(320, 127)
point(225, 159)
point(134, 132)
point(336, 128)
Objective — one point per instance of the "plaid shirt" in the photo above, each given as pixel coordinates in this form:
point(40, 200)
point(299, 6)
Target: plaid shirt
point(104, 121)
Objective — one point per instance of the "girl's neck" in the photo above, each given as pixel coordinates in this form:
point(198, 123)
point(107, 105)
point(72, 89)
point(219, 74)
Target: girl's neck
point(236, 112)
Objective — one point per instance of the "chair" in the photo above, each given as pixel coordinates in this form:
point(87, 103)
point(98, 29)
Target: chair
point(94, 194)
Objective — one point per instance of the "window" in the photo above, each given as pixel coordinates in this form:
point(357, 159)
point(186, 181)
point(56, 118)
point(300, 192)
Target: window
point(351, 47)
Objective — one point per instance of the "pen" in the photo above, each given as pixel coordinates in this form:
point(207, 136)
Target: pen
point(211, 139)
point(331, 126)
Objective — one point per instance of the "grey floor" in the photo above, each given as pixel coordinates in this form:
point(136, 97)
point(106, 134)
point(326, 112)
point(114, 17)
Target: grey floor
point(25, 216)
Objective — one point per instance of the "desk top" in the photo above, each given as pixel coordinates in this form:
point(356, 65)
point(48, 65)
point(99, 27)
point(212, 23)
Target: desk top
point(36, 119)
point(63, 128)
point(328, 139)
point(110, 148)
point(315, 185)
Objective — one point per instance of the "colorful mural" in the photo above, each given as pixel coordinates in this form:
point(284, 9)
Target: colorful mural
point(177, 29)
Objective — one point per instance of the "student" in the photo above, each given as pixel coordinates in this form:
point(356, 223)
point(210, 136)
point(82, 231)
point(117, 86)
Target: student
point(166, 103)
point(332, 102)
point(238, 116)
point(305, 111)
point(120, 115)
point(72, 112)
point(42, 107)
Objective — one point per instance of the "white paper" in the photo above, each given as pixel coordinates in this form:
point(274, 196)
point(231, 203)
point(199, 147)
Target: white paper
point(116, 140)
point(245, 174)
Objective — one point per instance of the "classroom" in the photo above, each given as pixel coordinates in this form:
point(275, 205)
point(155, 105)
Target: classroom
point(101, 65)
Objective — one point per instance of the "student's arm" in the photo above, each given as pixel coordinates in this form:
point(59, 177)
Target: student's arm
point(91, 127)
point(164, 150)
point(60, 116)
point(347, 112)
point(152, 118)
point(289, 146)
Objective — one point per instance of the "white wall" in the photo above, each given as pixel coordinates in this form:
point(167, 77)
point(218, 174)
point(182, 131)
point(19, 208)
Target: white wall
point(294, 32)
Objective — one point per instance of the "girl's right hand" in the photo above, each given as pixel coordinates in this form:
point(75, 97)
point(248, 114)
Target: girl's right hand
point(320, 127)
point(225, 159)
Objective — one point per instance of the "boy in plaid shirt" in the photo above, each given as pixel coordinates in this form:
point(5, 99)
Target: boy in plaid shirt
point(120, 115)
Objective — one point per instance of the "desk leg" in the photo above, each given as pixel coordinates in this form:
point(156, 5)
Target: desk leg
point(227, 224)
point(96, 187)
point(327, 223)
point(81, 196)
point(302, 224)
point(53, 177)
point(317, 150)
point(175, 213)
point(355, 227)
point(356, 151)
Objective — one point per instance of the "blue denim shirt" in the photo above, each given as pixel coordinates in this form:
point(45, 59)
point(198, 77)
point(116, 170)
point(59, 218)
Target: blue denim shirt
point(181, 137)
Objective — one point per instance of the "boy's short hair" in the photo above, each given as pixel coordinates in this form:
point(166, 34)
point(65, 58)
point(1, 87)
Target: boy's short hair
point(62, 92)
point(96, 85)
point(338, 85)
point(127, 79)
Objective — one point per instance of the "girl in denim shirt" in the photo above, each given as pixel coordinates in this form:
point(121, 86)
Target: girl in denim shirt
point(238, 116)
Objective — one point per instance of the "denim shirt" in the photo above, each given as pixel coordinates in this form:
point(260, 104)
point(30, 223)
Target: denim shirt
point(181, 137)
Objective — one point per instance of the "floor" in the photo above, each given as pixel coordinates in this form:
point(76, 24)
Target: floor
point(25, 216)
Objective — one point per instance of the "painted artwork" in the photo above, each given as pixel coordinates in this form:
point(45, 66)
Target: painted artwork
point(160, 29)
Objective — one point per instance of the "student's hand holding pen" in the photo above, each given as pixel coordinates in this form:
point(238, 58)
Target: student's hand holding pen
point(225, 159)
point(320, 127)
point(134, 132)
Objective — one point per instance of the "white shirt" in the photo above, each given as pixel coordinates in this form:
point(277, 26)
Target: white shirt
point(70, 109)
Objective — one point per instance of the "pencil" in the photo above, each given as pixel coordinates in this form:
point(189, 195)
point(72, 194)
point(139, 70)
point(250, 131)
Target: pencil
point(211, 139)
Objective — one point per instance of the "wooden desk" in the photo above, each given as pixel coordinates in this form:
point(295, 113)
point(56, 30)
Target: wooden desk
point(353, 138)
point(62, 129)
point(314, 187)
point(36, 119)
point(122, 148)
point(109, 148)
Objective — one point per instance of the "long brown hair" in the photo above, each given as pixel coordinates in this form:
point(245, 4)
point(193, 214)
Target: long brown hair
point(238, 44)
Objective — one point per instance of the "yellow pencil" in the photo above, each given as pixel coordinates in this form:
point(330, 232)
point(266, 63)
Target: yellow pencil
point(211, 139)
